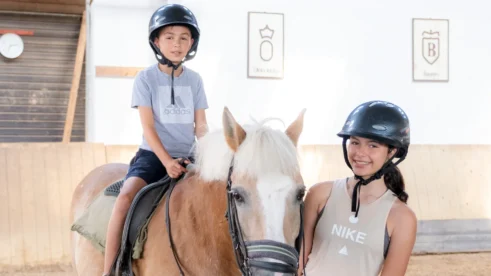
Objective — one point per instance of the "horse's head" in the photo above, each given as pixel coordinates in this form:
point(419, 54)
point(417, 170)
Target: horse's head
point(266, 191)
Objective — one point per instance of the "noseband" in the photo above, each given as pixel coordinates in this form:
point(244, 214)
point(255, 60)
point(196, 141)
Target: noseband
point(248, 253)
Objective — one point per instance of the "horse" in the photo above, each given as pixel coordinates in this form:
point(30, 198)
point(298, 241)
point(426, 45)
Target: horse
point(238, 212)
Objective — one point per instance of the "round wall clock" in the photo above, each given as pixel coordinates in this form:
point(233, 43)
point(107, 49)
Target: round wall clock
point(11, 45)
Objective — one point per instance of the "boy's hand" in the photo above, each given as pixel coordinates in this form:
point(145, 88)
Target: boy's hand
point(174, 169)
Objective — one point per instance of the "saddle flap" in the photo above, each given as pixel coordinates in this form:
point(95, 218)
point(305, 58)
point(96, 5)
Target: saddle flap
point(138, 217)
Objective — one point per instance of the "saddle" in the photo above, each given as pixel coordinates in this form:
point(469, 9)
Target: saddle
point(139, 215)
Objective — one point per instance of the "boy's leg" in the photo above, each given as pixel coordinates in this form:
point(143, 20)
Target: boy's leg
point(145, 168)
point(115, 228)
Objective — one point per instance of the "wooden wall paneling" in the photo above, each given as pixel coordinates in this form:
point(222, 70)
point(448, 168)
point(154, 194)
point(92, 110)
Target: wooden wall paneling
point(445, 183)
point(120, 153)
point(39, 187)
point(34, 88)
point(12, 171)
point(483, 177)
point(65, 188)
point(87, 161)
point(444, 195)
point(54, 196)
point(475, 167)
point(5, 238)
point(425, 189)
point(411, 182)
point(28, 201)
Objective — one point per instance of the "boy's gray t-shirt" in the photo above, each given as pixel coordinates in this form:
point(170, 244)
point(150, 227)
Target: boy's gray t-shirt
point(174, 123)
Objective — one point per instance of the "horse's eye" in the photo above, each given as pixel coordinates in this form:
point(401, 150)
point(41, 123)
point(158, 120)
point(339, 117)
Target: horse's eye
point(300, 195)
point(238, 197)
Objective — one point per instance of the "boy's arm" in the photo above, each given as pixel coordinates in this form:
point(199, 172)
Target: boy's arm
point(200, 105)
point(200, 123)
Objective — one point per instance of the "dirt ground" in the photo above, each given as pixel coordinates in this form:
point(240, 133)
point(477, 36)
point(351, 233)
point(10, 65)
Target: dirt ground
point(471, 264)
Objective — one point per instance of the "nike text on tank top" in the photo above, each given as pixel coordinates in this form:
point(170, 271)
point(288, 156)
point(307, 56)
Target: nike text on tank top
point(347, 246)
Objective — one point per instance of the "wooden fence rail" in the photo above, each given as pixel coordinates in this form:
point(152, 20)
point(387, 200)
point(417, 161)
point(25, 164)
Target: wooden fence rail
point(444, 182)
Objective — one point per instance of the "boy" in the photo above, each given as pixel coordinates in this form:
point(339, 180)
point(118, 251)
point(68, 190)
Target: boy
point(171, 102)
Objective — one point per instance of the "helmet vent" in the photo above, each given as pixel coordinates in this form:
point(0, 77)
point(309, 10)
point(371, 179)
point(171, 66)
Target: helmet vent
point(379, 127)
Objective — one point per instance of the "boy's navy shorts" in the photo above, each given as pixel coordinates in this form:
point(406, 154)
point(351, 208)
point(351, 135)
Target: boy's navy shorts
point(147, 166)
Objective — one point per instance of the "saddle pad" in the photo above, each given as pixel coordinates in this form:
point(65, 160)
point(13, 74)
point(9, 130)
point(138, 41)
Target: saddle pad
point(115, 188)
point(92, 224)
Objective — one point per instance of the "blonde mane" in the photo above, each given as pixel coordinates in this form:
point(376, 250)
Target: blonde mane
point(264, 150)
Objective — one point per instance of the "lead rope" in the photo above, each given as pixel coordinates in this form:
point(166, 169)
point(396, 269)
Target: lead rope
point(303, 240)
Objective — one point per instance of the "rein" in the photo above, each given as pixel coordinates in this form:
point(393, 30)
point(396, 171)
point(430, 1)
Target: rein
point(167, 223)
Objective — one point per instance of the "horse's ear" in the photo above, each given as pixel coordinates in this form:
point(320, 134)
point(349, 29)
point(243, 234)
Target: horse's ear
point(295, 129)
point(234, 133)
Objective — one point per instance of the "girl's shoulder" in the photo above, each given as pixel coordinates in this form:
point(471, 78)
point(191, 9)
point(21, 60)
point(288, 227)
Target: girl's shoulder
point(319, 193)
point(401, 215)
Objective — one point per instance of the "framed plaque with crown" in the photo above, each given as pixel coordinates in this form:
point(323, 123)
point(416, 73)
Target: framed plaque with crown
point(430, 49)
point(265, 50)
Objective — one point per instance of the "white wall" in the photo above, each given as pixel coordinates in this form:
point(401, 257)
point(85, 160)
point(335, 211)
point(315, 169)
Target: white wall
point(337, 55)
point(117, 37)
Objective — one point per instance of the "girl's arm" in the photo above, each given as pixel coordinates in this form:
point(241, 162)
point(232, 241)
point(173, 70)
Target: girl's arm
point(401, 242)
point(314, 202)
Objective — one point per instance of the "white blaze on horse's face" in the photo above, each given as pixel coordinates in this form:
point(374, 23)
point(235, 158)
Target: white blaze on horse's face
point(273, 190)
point(266, 180)
point(268, 207)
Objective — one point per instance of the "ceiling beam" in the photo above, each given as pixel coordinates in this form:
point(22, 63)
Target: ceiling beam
point(13, 5)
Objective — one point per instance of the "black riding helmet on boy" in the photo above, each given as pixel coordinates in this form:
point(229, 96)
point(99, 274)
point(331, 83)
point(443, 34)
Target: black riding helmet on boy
point(381, 121)
point(173, 15)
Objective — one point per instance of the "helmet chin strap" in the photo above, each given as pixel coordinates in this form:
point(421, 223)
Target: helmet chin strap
point(355, 199)
point(165, 61)
point(174, 67)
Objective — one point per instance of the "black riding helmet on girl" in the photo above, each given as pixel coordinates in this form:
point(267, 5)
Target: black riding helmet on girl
point(172, 15)
point(384, 122)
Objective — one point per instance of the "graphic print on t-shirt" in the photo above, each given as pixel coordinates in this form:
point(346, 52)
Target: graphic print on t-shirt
point(181, 112)
point(344, 251)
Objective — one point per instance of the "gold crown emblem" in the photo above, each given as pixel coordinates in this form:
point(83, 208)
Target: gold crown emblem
point(266, 32)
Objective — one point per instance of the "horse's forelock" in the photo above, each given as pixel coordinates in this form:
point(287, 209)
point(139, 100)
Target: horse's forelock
point(264, 150)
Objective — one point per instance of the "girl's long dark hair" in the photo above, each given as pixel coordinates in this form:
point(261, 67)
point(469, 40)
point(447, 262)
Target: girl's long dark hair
point(395, 182)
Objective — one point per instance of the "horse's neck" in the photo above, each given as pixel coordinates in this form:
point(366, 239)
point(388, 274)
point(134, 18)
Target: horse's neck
point(200, 227)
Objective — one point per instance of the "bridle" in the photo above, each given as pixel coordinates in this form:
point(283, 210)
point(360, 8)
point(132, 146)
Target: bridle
point(247, 253)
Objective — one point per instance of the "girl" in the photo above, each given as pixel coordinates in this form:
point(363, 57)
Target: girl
point(361, 225)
